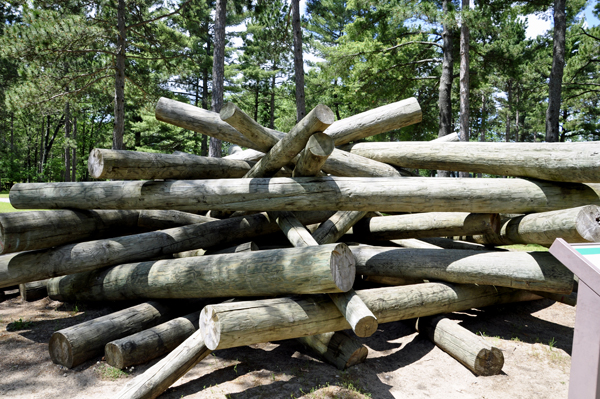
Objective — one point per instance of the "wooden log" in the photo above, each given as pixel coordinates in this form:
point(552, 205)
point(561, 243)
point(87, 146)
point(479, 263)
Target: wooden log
point(27, 231)
point(247, 155)
point(165, 373)
point(538, 271)
point(318, 148)
point(234, 149)
point(430, 224)
point(34, 290)
point(579, 224)
point(336, 226)
point(293, 229)
point(448, 243)
point(384, 280)
point(310, 270)
point(141, 347)
point(337, 348)
point(261, 137)
point(342, 163)
point(563, 162)
point(472, 351)
point(74, 345)
point(29, 266)
point(250, 322)
point(412, 194)
point(290, 145)
point(407, 243)
point(244, 247)
point(447, 138)
point(570, 299)
point(163, 219)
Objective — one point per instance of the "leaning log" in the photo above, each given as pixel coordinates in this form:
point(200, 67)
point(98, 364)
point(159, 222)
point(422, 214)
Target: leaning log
point(318, 148)
point(74, 345)
point(141, 347)
point(538, 271)
point(310, 270)
point(29, 266)
point(34, 290)
point(27, 231)
point(251, 322)
point(411, 194)
point(564, 162)
point(472, 351)
point(336, 226)
point(337, 348)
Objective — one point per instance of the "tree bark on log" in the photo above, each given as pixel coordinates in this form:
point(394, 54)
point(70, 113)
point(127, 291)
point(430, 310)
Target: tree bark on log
point(318, 148)
point(250, 322)
point(310, 270)
point(28, 231)
point(74, 345)
point(563, 162)
point(262, 137)
point(159, 220)
point(337, 348)
point(431, 224)
point(141, 347)
point(469, 349)
point(411, 194)
point(247, 246)
point(29, 266)
point(336, 226)
point(246, 155)
point(537, 271)
point(34, 290)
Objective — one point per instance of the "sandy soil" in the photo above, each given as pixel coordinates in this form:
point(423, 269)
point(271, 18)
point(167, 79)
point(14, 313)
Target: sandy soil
point(535, 337)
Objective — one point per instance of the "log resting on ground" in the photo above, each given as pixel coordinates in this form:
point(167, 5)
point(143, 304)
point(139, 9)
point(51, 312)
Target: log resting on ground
point(410, 194)
point(34, 290)
point(337, 348)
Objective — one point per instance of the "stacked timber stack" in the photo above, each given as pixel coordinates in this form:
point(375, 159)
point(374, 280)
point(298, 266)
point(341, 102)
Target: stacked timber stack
point(296, 214)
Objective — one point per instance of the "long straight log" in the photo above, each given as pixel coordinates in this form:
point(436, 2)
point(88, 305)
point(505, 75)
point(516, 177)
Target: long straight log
point(431, 224)
point(74, 345)
point(337, 348)
point(250, 322)
point(27, 231)
point(472, 351)
point(412, 194)
point(564, 162)
point(34, 290)
point(163, 219)
point(579, 224)
point(318, 148)
point(29, 266)
point(523, 270)
point(141, 347)
point(262, 137)
point(310, 270)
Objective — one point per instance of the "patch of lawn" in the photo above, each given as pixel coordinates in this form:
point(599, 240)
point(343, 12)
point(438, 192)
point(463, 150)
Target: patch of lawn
point(6, 207)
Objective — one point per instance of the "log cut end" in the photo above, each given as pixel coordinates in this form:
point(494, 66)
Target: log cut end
point(343, 267)
point(489, 361)
point(114, 355)
point(324, 114)
point(588, 223)
point(61, 351)
point(210, 327)
point(96, 164)
point(228, 110)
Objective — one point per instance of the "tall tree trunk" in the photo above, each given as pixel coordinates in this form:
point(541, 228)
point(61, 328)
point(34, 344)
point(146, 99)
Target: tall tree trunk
point(119, 127)
point(40, 168)
point(563, 133)
point(556, 75)
point(464, 79)
point(272, 119)
point(67, 147)
point(483, 122)
point(256, 97)
point(517, 115)
point(74, 159)
point(12, 133)
point(218, 70)
point(446, 83)
point(298, 61)
point(204, 141)
point(508, 105)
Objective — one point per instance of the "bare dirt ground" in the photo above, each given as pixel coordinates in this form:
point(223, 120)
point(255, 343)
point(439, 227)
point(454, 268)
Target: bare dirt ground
point(535, 337)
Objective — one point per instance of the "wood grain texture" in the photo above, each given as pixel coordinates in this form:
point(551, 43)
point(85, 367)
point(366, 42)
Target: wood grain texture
point(293, 229)
point(167, 219)
point(337, 348)
point(357, 314)
point(29, 266)
point(318, 148)
point(471, 350)
point(564, 162)
point(73, 345)
point(262, 138)
point(246, 155)
point(34, 290)
point(336, 226)
point(249, 322)
point(411, 194)
point(310, 270)
point(538, 271)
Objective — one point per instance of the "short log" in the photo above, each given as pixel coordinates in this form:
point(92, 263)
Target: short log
point(74, 345)
point(563, 162)
point(538, 271)
point(412, 194)
point(149, 344)
point(315, 269)
point(318, 148)
point(34, 290)
point(250, 322)
point(337, 348)
point(472, 351)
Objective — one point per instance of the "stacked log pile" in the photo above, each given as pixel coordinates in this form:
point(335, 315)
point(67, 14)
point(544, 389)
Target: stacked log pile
point(288, 227)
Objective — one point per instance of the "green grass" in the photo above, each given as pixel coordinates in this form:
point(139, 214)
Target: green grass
point(19, 325)
point(6, 207)
point(527, 248)
point(109, 372)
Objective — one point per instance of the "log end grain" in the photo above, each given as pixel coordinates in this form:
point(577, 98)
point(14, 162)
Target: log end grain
point(114, 355)
point(359, 356)
point(588, 223)
point(324, 114)
point(210, 327)
point(96, 164)
point(343, 267)
point(228, 110)
point(61, 351)
point(489, 362)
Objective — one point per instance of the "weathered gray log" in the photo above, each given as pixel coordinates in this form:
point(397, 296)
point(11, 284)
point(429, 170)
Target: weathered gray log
point(447, 138)
point(340, 163)
point(472, 351)
point(262, 138)
point(234, 149)
point(27, 231)
point(247, 155)
point(158, 220)
point(564, 162)
point(293, 143)
point(249, 322)
point(385, 280)
point(407, 243)
point(448, 243)
point(431, 224)
point(74, 345)
point(245, 247)
point(318, 148)
point(34, 290)
point(375, 121)
point(310, 270)
point(538, 271)
point(165, 373)
point(141, 347)
point(411, 194)
point(336, 226)
point(579, 224)
point(337, 348)
point(29, 266)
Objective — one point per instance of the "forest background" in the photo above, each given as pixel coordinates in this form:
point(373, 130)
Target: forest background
point(81, 74)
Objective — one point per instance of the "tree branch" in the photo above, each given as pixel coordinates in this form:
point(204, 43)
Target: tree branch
point(413, 42)
point(159, 17)
point(73, 91)
point(589, 35)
